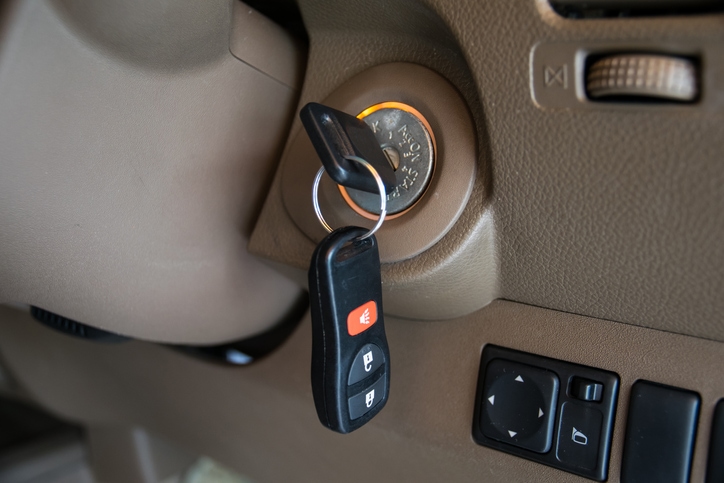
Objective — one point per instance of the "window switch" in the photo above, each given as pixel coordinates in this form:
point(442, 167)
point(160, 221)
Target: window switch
point(586, 390)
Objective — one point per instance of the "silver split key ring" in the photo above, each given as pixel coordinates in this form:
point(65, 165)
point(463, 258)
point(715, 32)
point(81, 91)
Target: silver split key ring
point(380, 185)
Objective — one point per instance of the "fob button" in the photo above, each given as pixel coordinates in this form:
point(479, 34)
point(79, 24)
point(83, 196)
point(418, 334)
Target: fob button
point(362, 403)
point(366, 362)
point(362, 318)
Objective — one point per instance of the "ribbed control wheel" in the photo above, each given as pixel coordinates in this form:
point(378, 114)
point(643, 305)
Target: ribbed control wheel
point(658, 76)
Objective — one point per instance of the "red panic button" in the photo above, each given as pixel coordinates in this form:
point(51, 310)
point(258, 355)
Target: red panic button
point(362, 318)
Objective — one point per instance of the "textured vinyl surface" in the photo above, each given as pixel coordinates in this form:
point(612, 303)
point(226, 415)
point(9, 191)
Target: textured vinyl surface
point(605, 213)
point(134, 154)
point(261, 420)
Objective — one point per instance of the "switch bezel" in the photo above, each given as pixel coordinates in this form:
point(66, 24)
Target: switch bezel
point(566, 371)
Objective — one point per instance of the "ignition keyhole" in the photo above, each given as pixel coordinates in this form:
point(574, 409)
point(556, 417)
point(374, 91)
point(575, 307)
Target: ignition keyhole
point(392, 155)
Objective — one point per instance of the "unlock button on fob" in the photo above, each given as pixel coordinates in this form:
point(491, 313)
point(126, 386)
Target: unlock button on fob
point(365, 363)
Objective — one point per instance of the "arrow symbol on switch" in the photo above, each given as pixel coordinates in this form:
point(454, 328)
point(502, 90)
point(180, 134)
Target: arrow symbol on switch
point(519, 379)
point(512, 433)
point(540, 412)
point(492, 400)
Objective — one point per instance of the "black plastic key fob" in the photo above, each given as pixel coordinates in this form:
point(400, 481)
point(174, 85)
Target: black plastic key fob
point(350, 357)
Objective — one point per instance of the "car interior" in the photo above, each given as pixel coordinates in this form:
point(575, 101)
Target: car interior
point(524, 279)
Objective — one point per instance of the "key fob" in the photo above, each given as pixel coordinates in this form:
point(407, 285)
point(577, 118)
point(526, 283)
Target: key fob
point(350, 357)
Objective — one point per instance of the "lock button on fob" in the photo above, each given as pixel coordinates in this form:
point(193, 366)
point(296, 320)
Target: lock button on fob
point(360, 404)
point(365, 363)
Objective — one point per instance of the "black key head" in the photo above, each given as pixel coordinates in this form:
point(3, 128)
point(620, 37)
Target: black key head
point(334, 135)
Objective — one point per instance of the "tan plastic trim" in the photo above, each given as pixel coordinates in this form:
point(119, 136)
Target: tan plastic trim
point(609, 212)
point(259, 42)
point(254, 418)
point(135, 153)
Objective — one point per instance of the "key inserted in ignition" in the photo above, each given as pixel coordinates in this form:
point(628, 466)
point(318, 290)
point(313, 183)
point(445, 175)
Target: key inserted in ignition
point(408, 143)
point(350, 358)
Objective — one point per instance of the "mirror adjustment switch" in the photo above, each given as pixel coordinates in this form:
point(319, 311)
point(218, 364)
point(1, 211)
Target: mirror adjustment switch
point(586, 390)
point(520, 403)
point(572, 433)
point(365, 363)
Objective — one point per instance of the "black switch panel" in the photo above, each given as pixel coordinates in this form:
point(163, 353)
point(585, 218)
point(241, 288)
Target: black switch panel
point(537, 411)
point(660, 434)
point(715, 467)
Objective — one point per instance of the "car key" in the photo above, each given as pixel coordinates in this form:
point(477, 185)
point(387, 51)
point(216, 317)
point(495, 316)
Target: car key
point(350, 357)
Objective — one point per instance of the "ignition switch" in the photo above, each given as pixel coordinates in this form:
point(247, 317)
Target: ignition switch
point(409, 145)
